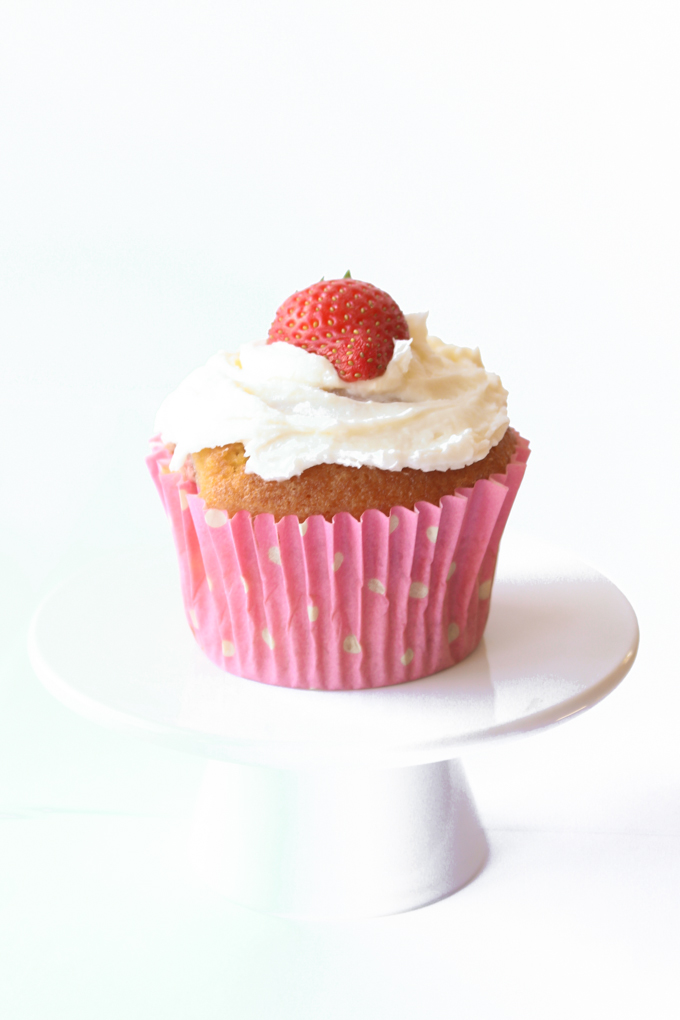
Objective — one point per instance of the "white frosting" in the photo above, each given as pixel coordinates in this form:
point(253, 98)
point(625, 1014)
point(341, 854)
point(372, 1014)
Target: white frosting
point(434, 408)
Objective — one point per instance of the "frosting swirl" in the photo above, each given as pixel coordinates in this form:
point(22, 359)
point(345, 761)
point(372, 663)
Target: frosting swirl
point(434, 408)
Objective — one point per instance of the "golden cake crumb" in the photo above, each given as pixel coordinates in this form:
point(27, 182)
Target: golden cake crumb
point(329, 489)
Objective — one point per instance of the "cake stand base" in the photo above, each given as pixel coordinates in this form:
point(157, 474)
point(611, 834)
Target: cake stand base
point(334, 803)
point(336, 842)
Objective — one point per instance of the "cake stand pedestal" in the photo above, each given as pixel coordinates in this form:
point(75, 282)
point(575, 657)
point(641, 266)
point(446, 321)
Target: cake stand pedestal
point(339, 841)
point(334, 804)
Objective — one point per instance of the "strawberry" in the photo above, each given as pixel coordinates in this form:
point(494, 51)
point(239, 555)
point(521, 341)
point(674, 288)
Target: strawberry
point(351, 323)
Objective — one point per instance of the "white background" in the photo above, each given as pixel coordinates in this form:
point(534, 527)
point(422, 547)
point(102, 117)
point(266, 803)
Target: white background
point(171, 172)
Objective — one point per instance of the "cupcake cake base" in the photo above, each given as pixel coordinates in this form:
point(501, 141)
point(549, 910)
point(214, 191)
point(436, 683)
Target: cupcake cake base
point(340, 605)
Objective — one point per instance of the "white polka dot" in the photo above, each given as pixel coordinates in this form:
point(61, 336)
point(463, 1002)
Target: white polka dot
point(193, 617)
point(432, 533)
point(377, 586)
point(274, 554)
point(228, 649)
point(394, 523)
point(209, 582)
point(453, 632)
point(337, 561)
point(303, 528)
point(245, 584)
point(351, 644)
point(215, 518)
point(452, 570)
point(418, 590)
point(267, 638)
point(407, 657)
point(183, 501)
point(312, 612)
point(484, 590)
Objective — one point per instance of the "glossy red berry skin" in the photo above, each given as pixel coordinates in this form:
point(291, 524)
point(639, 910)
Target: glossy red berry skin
point(351, 323)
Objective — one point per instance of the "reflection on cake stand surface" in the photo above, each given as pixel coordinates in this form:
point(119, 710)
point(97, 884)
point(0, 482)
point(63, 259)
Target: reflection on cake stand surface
point(349, 803)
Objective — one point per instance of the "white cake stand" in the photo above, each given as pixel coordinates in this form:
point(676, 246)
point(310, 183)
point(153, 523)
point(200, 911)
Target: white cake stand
point(334, 803)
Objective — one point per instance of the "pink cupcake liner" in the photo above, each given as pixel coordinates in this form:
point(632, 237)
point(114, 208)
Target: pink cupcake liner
point(342, 605)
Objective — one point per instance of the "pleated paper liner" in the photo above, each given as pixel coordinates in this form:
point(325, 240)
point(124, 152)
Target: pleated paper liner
point(342, 605)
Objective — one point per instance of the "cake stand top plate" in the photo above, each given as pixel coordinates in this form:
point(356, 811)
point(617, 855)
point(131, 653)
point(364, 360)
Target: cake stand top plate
point(113, 644)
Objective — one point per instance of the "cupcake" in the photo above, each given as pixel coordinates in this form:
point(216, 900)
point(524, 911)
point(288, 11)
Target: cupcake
point(337, 494)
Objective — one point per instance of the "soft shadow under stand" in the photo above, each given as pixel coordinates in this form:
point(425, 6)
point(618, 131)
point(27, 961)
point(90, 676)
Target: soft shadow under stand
point(334, 804)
